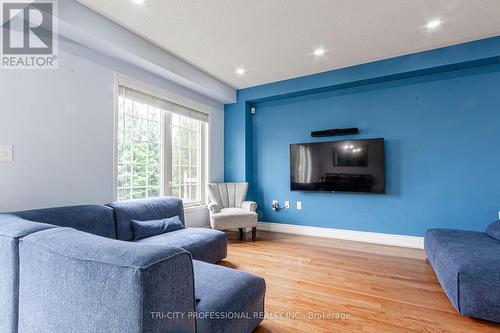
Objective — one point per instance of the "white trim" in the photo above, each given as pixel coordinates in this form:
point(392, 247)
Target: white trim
point(353, 235)
point(166, 153)
point(195, 208)
point(115, 137)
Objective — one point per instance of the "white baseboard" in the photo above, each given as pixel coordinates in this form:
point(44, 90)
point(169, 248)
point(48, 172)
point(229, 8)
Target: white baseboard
point(353, 235)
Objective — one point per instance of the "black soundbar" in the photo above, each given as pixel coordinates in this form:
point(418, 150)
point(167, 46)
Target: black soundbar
point(335, 131)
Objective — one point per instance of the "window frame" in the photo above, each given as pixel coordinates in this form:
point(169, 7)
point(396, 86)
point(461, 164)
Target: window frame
point(166, 158)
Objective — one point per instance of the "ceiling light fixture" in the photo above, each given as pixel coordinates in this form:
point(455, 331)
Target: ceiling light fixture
point(240, 71)
point(139, 2)
point(433, 24)
point(319, 52)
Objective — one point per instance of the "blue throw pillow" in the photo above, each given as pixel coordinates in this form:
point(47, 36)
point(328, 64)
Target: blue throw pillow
point(493, 230)
point(145, 229)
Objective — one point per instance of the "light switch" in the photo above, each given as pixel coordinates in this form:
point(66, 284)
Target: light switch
point(299, 205)
point(5, 153)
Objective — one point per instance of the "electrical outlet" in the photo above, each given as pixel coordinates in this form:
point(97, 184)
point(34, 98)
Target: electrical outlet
point(499, 214)
point(287, 204)
point(275, 204)
point(299, 205)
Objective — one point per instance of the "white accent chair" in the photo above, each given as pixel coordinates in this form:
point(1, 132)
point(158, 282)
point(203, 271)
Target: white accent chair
point(228, 208)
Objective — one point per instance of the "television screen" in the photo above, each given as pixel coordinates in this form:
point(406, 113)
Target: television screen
point(338, 166)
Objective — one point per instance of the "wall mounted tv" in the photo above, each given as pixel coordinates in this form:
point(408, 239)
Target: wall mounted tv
point(338, 166)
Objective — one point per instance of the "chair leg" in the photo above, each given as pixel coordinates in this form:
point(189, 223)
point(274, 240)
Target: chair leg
point(241, 233)
point(254, 233)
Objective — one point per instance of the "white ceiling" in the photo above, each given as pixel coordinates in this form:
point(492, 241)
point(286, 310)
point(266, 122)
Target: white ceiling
point(274, 39)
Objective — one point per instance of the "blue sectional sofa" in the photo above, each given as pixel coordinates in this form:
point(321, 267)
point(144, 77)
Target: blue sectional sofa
point(467, 264)
point(77, 269)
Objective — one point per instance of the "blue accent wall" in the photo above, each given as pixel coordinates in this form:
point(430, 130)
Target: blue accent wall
point(235, 142)
point(439, 112)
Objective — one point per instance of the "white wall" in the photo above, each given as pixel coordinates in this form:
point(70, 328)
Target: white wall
point(61, 125)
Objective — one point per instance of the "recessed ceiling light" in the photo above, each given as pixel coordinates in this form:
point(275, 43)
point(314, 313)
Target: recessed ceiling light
point(319, 52)
point(240, 71)
point(433, 24)
point(139, 2)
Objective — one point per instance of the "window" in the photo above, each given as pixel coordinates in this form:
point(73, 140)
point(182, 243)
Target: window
point(161, 149)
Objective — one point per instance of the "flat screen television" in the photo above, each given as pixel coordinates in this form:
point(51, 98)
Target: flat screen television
point(338, 166)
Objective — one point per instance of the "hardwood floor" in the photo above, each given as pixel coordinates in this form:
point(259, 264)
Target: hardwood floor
point(364, 287)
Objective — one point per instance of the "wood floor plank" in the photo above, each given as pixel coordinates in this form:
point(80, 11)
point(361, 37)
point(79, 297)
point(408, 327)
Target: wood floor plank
point(363, 287)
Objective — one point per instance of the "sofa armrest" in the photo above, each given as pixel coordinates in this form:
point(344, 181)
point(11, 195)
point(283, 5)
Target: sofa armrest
point(249, 205)
point(12, 228)
point(15, 227)
point(71, 281)
point(213, 208)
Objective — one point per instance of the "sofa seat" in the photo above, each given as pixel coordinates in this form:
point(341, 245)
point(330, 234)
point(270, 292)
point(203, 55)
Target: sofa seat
point(467, 266)
point(203, 244)
point(229, 300)
point(229, 218)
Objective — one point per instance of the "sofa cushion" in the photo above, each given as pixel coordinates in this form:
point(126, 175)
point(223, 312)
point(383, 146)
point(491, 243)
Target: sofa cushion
point(493, 230)
point(15, 227)
point(144, 210)
point(234, 218)
point(145, 229)
point(203, 244)
point(12, 228)
point(466, 264)
point(94, 219)
point(236, 297)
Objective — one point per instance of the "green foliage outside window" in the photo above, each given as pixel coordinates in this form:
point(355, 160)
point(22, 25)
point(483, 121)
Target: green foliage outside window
point(139, 155)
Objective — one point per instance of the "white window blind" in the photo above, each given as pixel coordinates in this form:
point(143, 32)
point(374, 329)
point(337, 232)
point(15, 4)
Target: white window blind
point(162, 103)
